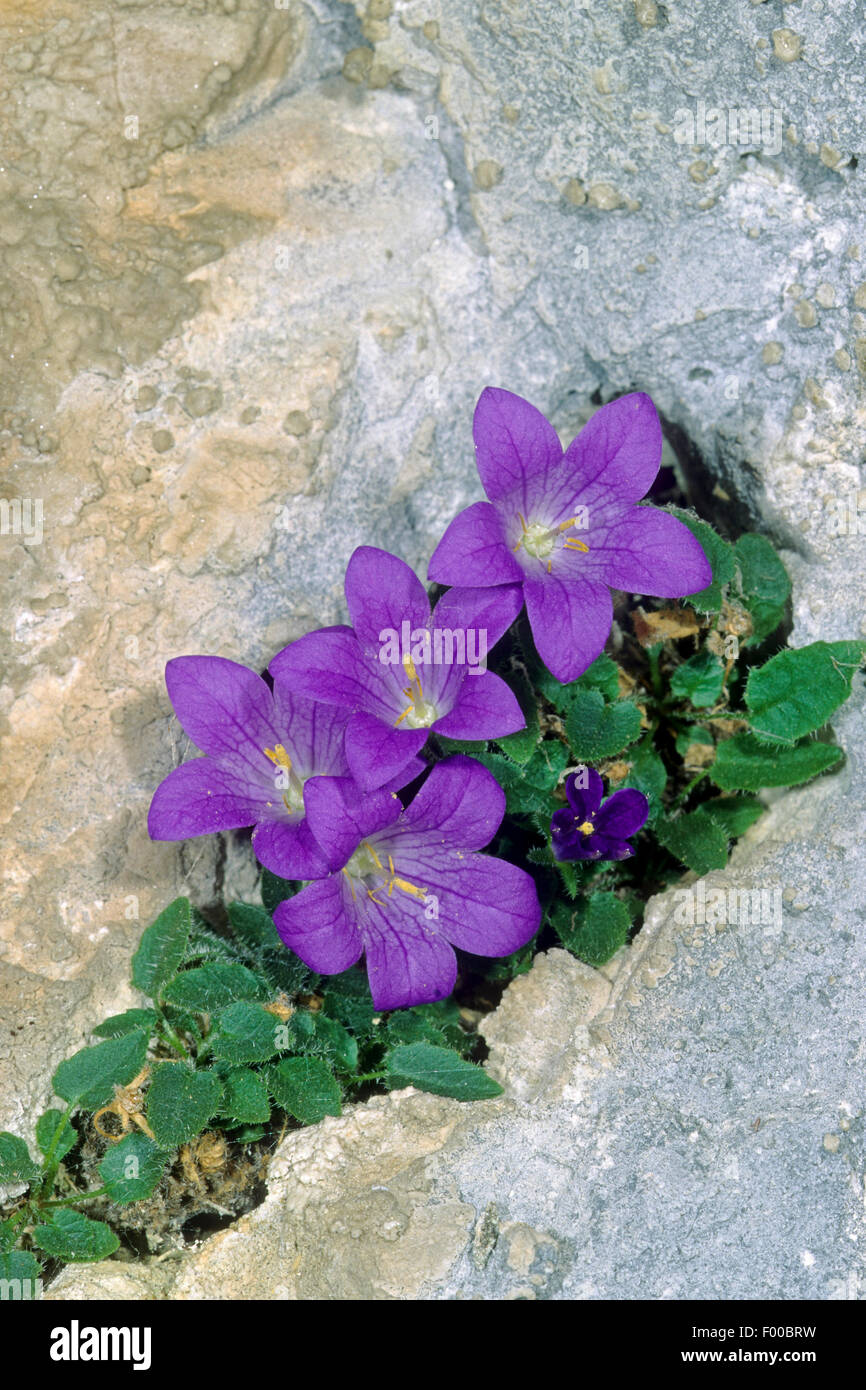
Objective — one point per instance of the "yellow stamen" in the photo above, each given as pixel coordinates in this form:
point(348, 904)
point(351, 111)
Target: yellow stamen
point(572, 543)
point(349, 877)
point(564, 525)
point(279, 756)
point(403, 883)
point(371, 893)
point(376, 860)
point(407, 710)
point(587, 828)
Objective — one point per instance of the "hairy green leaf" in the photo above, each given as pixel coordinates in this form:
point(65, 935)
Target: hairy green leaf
point(305, 1088)
point(90, 1076)
point(71, 1236)
point(439, 1070)
point(180, 1103)
point(162, 948)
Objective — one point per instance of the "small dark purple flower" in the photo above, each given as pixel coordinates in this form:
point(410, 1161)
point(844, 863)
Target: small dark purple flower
point(400, 671)
point(261, 749)
point(565, 525)
point(586, 829)
point(407, 886)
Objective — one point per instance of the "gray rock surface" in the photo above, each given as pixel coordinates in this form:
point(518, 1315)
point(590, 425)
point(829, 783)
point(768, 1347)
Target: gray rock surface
point(249, 337)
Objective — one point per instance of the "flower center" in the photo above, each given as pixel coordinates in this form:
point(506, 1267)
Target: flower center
point(365, 867)
point(286, 781)
point(419, 713)
point(540, 541)
point(587, 828)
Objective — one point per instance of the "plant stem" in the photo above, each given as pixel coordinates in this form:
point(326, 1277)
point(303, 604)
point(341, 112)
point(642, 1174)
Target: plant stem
point(72, 1201)
point(687, 791)
point(49, 1168)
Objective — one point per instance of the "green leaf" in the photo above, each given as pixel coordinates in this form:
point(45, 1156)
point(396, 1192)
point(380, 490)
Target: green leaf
point(180, 1103)
point(647, 775)
point(347, 998)
point(89, 1078)
point(720, 556)
point(602, 675)
point(132, 1168)
point(764, 584)
point(162, 948)
point(119, 1024)
point(334, 1043)
point(595, 930)
point(744, 764)
point(8, 1236)
point(796, 691)
point(245, 1097)
point(699, 680)
point(286, 971)
point(209, 987)
point(275, 890)
point(435, 1023)
point(245, 1032)
point(16, 1165)
point(19, 1273)
point(439, 1070)
point(735, 813)
point(253, 924)
point(73, 1237)
point(305, 1088)
point(598, 730)
point(522, 745)
point(46, 1128)
point(528, 788)
point(696, 840)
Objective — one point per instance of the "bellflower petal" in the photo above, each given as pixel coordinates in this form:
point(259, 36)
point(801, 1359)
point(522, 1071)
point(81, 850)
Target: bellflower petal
point(515, 446)
point(474, 550)
point(319, 925)
point(570, 621)
point(461, 801)
point(200, 798)
point(491, 611)
point(485, 707)
point(289, 849)
point(646, 551)
point(617, 453)
point(407, 963)
point(224, 707)
point(378, 753)
point(329, 665)
point(381, 592)
point(340, 819)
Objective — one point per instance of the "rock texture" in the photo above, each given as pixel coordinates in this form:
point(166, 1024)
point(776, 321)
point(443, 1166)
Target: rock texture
point(256, 263)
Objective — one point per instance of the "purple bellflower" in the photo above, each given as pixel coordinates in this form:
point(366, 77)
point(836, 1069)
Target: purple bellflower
point(588, 829)
point(261, 748)
point(400, 671)
point(565, 525)
point(407, 886)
